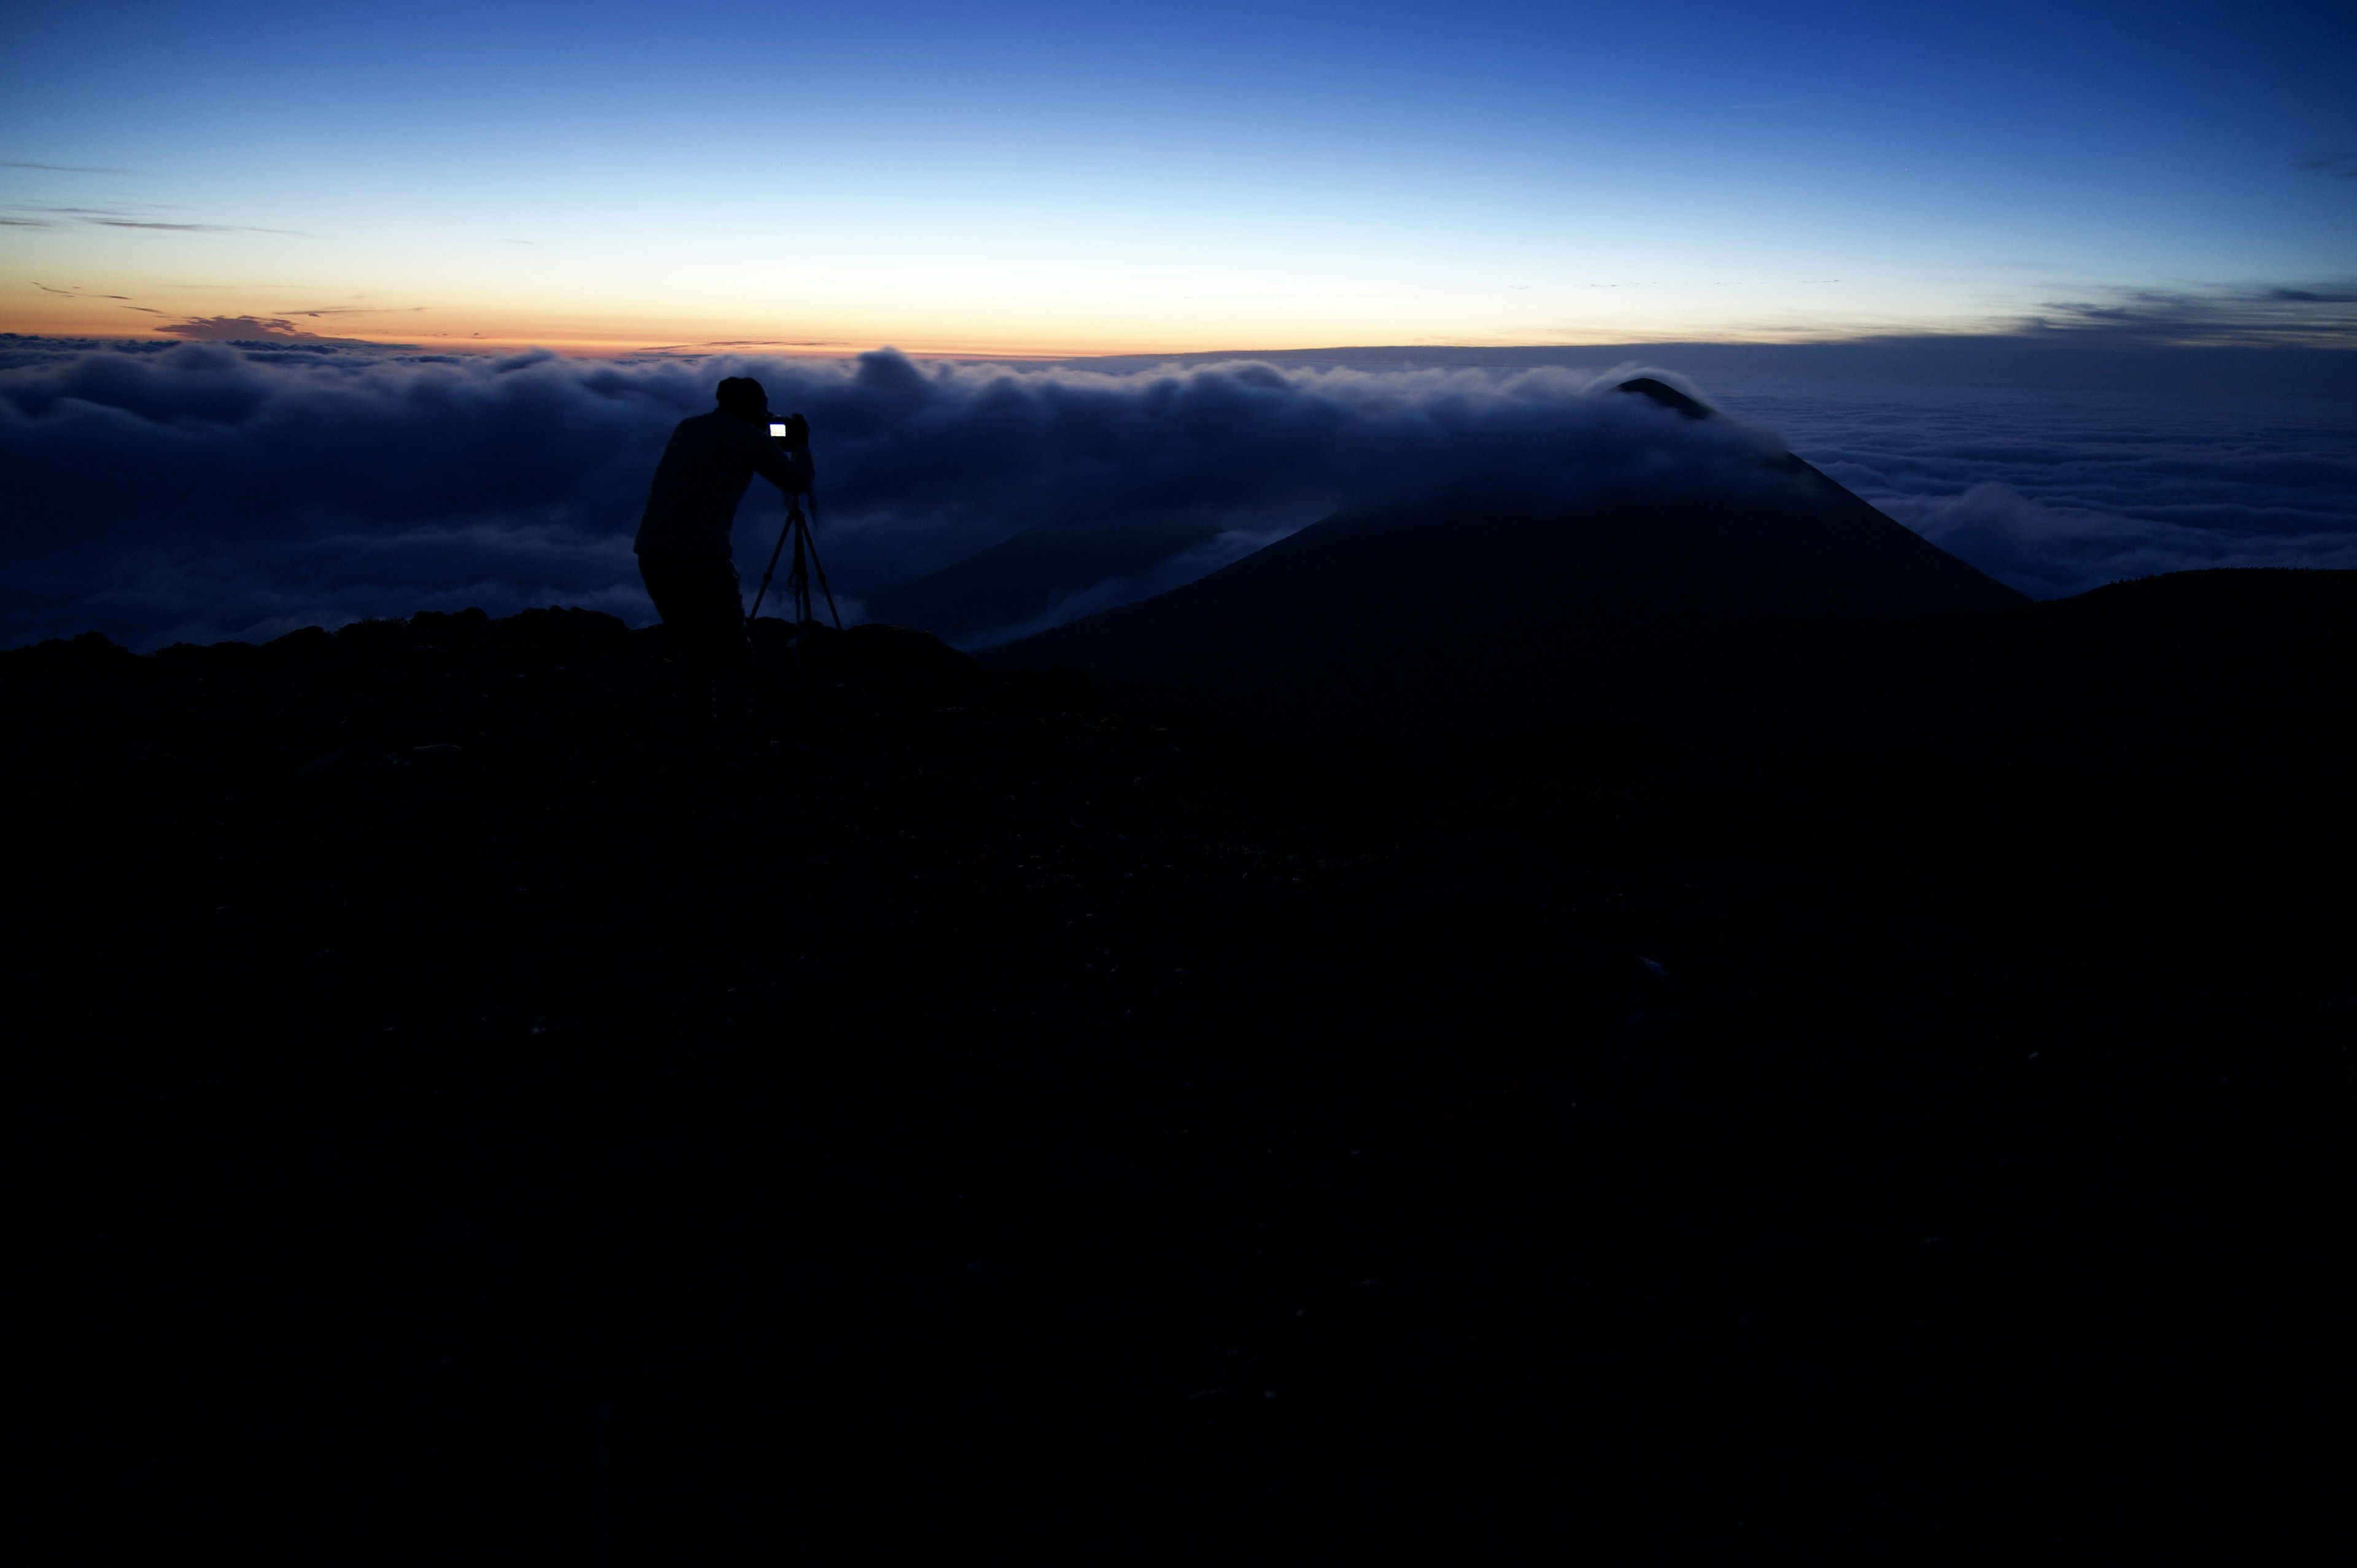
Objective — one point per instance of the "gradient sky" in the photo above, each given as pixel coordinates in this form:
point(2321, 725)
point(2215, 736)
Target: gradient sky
point(1062, 178)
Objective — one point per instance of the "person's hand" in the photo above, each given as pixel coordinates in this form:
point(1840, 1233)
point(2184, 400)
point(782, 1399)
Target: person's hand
point(797, 432)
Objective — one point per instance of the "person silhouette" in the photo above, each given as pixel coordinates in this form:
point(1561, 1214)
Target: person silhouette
point(684, 546)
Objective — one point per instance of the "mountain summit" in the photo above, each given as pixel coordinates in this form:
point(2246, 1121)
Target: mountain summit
point(1481, 600)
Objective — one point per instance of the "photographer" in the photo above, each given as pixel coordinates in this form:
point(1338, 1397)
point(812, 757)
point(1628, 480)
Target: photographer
point(684, 535)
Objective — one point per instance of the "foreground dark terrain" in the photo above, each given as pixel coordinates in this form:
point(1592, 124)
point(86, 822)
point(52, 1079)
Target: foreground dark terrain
point(1856, 1086)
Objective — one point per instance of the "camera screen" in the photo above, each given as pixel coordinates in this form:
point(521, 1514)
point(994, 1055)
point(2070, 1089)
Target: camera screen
point(778, 431)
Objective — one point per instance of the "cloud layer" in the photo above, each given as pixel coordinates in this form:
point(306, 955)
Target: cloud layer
point(210, 491)
point(217, 490)
point(2056, 494)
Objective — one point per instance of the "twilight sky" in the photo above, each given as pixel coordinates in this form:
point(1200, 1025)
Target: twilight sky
point(1029, 178)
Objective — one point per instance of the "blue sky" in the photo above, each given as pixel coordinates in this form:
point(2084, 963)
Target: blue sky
point(1065, 179)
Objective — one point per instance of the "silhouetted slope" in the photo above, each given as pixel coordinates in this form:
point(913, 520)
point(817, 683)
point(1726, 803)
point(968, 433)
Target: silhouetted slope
point(1419, 617)
point(1017, 579)
point(1896, 1097)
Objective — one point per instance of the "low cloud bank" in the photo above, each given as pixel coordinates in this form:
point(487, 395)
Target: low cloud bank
point(209, 490)
point(2051, 552)
point(2056, 494)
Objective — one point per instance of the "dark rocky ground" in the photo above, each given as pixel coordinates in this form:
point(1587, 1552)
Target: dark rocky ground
point(1873, 1088)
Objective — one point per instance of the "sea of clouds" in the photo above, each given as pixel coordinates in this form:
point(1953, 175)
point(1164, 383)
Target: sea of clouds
point(2057, 494)
point(208, 491)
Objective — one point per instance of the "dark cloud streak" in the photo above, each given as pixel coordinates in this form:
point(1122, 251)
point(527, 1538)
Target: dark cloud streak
point(355, 310)
point(71, 169)
point(194, 228)
point(248, 329)
point(2315, 314)
point(129, 218)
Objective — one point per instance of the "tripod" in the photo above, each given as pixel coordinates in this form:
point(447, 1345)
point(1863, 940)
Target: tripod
point(798, 575)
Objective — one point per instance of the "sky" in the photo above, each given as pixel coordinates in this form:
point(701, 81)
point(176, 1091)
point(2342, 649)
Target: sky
point(1027, 179)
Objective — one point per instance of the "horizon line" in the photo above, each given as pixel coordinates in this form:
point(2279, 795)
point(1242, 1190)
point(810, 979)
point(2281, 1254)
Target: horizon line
point(606, 348)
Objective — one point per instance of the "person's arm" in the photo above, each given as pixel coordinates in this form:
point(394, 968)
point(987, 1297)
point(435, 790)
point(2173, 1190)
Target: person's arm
point(790, 469)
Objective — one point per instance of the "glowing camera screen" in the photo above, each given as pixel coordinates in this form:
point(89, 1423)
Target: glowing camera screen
point(778, 431)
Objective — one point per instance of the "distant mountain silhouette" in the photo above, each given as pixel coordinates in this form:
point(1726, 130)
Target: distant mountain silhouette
point(1020, 578)
point(1426, 614)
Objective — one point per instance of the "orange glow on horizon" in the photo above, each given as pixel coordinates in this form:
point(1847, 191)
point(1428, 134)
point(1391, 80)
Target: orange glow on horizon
point(595, 344)
point(929, 327)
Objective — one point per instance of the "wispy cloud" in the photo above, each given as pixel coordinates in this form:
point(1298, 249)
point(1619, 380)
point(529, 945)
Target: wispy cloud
point(2318, 315)
point(75, 293)
point(195, 228)
point(70, 168)
point(354, 310)
point(2342, 163)
point(41, 215)
point(242, 328)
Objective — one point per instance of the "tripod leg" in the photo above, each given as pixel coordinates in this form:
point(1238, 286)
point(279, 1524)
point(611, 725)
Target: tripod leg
point(793, 515)
point(822, 587)
point(798, 581)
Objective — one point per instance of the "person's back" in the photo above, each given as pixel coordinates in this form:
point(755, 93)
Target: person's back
point(710, 460)
point(683, 543)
